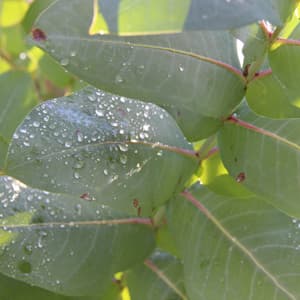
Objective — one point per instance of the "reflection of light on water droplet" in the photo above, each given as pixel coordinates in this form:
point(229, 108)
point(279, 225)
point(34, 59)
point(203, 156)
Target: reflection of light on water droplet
point(36, 124)
point(76, 175)
point(119, 79)
point(142, 135)
point(122, 99)
point(159, 153)
point(99, 112)
point(123, 147)
point(79, 136)
point(123, 159)
point(146, 127)
point(79, 164)
point(181, 68)
point(64, 62)
point(105, 172)
point(68, 144)
point(92, 98)
point(72, 53)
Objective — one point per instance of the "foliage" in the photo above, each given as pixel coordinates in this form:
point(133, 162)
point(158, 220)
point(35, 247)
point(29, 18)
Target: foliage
point(142, 157)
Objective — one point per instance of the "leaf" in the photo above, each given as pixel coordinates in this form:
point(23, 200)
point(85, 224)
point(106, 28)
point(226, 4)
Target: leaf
point(284, 60)
point(144, 17)
point(266, 152)
point(194, 75)
point(269, 96)
point(99, 146)
point(16, 100)
point(235, 248)
point(70, 246)
point(160, 278)
point(12, 12)
point(16, 290)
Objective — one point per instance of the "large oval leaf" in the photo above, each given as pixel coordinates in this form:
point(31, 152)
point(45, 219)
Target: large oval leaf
point(121, 152)
point(265, 153)
point(66, 245)
point(193, 73)
point(235, 248)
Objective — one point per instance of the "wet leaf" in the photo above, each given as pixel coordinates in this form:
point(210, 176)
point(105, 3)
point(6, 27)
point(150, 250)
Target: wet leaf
point(68, 246)
point(16, 100)
point(194, 75)
point(102, 147)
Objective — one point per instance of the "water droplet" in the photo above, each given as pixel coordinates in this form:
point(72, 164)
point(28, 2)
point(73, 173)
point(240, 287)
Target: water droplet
point(99, 112)
point(68, 144)
point(92, 98)
point(181, 68)
point(122, 99)
point(24, 267)
point(79, 164)
point(73, 53)
point(79, 136)
point(36, 124)
point(123, 147)
point(119, 79)
point(76, 175)
point(146, 127)
point(64, 62)
point(105, 172)
point(123, 159)
point(142, 135)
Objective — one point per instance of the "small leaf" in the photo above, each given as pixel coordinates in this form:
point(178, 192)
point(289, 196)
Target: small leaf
point(236, 248)
point(98, 146)
point(160, 278)
point(70, 246)
point(267, 151)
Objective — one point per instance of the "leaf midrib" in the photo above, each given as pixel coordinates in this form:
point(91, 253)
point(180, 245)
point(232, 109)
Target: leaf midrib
point(181, 151)
point(193, 55)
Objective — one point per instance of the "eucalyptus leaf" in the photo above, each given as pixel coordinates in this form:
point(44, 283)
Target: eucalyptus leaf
point(235, 248)
point(56, 240)
point(265, 152)
point(192, 73)
point(121, 152)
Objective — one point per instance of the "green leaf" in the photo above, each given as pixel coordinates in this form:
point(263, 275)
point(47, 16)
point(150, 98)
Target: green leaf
point(144, 17)
point(266, 153)
point(160, 278)
point(235, 248)
point(16, 100)
point(100, 146)
point(16, 290)
point(71, 246)
point(284, 59)
point(269, 96)
point(194, 75)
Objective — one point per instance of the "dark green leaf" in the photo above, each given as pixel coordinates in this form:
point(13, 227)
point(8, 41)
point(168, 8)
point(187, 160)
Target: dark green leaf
point(235, 248)
point(266, 152)
point(99, 146)
point(194, 75)
point(16, 100)
point(66, 245)
point(160, 278)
